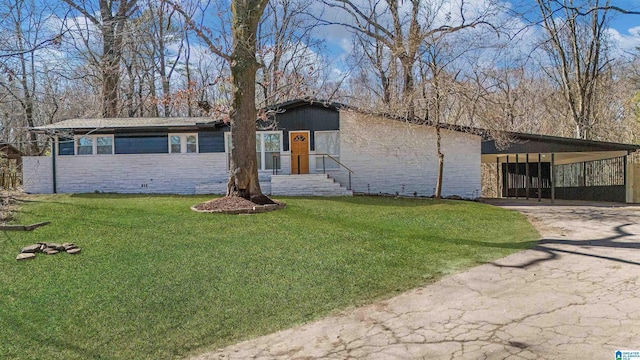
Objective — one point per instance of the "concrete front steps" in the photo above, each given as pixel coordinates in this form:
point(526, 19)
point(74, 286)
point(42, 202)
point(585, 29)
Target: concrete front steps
point(287, 185)
point(307, 185)
point(221, 187)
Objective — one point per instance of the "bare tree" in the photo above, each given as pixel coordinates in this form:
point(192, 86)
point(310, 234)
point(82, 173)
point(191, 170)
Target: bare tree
point(164, 31)
point(24, 36)
point(403, 27)
point(576, 47)
point(111, 22)
point(246, 15)
point(372, 56)
point(290, 64)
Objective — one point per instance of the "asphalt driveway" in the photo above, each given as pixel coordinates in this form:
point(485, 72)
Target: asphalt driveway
point(575, 296)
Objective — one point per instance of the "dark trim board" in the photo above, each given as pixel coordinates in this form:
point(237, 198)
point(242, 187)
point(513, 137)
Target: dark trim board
point(532, 143)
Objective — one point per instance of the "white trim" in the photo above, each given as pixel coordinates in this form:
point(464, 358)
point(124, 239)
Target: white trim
point(337, 156)
point(262, 147)
point(227, 145)
point(183, 142)
point(94, 143)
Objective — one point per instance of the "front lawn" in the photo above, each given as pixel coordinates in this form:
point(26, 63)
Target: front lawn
point(156, 280)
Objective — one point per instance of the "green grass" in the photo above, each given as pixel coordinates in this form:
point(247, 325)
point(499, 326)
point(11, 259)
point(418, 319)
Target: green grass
point(158, 281)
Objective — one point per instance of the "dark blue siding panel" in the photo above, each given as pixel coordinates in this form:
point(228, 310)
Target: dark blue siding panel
point(156, 144)
point(312, 118)
point(65, 146)
point(211, 141)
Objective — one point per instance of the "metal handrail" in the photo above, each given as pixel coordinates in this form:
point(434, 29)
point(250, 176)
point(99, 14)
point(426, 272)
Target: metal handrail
point(334, 159)
point(324, 169)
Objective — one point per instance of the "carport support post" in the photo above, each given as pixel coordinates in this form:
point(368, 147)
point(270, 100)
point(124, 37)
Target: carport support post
point(539, 179)
point(553, 177)
point(498, 177)
point(626, 184)
point(517, 182)
point(526, 171)
point(506, 173)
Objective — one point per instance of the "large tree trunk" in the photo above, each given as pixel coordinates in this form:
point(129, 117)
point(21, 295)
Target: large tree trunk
point(110, 69)
point(243, 175)
point(408, 88)
point(110, 80)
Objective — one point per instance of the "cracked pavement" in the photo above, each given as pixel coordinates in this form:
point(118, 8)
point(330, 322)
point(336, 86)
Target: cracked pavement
point(574, 296)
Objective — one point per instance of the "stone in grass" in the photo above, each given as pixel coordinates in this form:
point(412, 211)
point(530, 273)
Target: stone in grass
point(74, 251)
point(50, 251)
point(55, 246)
point(31, 248)
point(68, 246)
point(25, 256)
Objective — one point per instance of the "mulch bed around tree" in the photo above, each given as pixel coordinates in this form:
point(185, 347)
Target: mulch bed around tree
point(235, 205)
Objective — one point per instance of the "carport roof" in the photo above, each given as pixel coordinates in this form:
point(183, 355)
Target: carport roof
point(568, 150)
point(533, 143)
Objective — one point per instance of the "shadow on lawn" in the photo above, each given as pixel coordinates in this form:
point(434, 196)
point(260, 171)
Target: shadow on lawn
point(382, 200)
point(22, 325)
point(133, 196)
point(553, 253)
point(356, 200)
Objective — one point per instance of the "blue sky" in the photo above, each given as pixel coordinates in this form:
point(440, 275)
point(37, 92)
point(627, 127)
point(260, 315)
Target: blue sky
point(625, 29)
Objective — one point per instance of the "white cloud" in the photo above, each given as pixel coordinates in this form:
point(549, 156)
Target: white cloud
point(624, 44)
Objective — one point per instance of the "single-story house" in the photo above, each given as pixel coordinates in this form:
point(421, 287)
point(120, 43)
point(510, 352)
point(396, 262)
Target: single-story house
point(307, 148)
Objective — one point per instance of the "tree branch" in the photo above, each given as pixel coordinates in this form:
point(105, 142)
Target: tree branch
point(191, 25)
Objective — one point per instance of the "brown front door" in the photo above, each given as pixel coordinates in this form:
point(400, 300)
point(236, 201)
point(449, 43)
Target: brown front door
point(299, 143)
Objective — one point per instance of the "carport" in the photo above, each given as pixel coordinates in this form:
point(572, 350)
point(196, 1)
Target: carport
point(551, 167)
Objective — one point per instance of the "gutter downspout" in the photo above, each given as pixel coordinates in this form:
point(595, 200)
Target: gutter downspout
point(53, 160)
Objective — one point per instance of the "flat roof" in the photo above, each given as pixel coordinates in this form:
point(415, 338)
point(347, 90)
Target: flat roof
point(128, 123)
point(566, 150)
point(533, 143)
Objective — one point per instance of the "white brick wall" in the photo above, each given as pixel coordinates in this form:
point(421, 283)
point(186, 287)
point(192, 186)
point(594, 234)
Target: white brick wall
point(389, 156)
point(37, 174)
point(139, 173)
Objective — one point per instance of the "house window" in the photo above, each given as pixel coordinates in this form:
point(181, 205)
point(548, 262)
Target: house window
point(183, 143)
point(268, 146)
point(327, 142)
point(94, 144)
point(192, 144)
point(104, 145)
point(65, 146)
point(271, 143)
point(85, 145)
